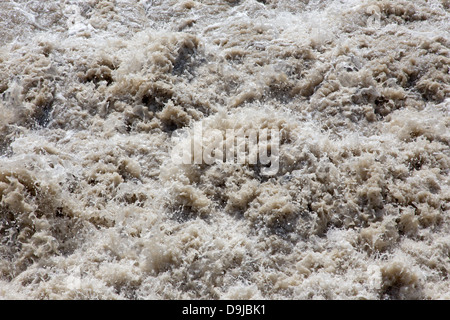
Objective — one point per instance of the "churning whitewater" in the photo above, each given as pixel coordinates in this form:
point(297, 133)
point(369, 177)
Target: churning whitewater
point(96, 95)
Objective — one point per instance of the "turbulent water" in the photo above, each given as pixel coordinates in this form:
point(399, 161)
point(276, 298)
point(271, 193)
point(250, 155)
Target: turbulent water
point(93, 207)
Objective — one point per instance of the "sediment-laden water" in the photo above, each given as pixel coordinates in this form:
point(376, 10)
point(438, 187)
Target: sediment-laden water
point(92, 205)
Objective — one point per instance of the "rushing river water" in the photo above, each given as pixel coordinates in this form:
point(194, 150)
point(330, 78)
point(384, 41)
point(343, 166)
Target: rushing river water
point(94, 95)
